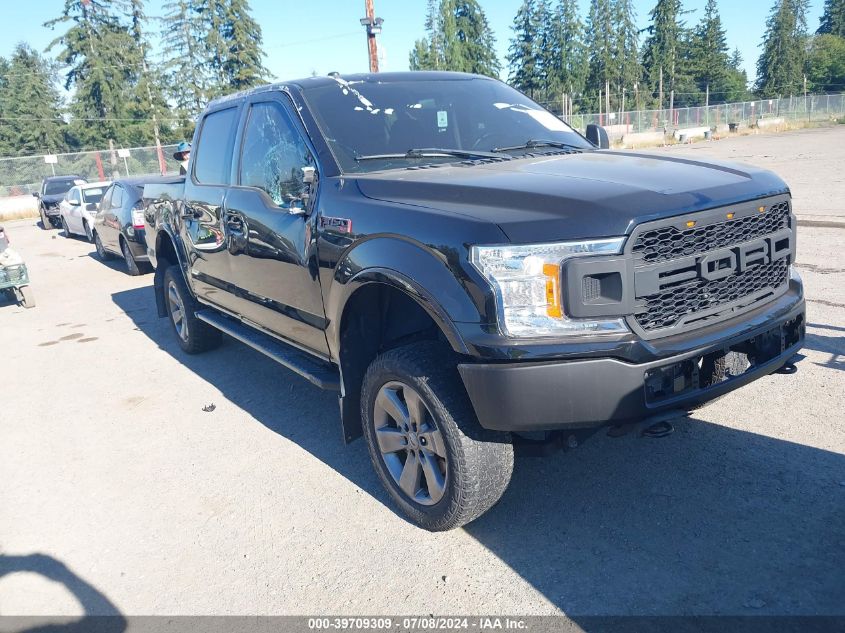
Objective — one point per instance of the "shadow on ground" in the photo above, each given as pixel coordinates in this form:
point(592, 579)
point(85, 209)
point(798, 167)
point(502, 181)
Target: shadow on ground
point(710, 520)
point(828, 339)
point(101, 616)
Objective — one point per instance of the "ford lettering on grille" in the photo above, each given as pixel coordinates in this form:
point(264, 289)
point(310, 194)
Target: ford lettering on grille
point(690, 275)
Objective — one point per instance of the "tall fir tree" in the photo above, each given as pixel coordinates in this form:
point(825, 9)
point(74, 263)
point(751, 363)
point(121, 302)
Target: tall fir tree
point(524, 58)
point(736, 81)
point(708, 55)
point(663, 49)
point(780, 67)
point(626, 58)
point(832, 21)
point(601, 45)
point(146, 102)
point(185, 68)
point(99, 51)
point(565, 68)
point(234, 41)
point(458, 38)
point(31, 105)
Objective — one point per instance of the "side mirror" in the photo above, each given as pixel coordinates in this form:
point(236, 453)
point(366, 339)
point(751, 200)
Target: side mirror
point(597, 135)
point(35, 194)
point(309, 175)
point(73, 203)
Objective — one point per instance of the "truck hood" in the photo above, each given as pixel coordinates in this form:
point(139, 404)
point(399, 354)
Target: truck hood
point(590, 194)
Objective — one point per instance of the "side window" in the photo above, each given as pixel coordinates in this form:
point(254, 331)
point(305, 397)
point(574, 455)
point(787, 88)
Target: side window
point(273, 154)
point(105, 203)
point(116, 197)
point(75, 195)
point(211, 165)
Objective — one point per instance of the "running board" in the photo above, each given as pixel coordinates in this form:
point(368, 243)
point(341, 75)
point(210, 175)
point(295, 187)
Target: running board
point(312, 369)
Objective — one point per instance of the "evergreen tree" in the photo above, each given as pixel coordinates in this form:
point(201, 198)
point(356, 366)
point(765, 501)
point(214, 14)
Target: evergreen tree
point(626, 62)
point(458, 37)
point(826, 63)
point(31, 105)
point(524, 56)
point(601, 46)
point(736, 81)
point(233, 39)
point(833, 18)
point(565, 67)
point(709, 61)
point(780, 68)
point(100, 52)
point(663, 49)
point(185, 69)
point(146, 103)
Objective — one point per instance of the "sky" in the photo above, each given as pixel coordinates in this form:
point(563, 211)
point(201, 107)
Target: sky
point(321, 36)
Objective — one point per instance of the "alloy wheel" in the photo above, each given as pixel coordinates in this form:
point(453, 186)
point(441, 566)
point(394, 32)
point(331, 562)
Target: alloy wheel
point(177, 311)
point(410, 443)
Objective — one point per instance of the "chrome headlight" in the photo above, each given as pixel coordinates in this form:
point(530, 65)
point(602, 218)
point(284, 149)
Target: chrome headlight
point(526, 281)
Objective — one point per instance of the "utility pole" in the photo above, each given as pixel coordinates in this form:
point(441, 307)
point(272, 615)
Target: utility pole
point(373, 26)
point(707, 104)
point(661, 87)
point(607, 98)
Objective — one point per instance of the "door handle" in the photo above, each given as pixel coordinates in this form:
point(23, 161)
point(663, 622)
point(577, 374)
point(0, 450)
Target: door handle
point(234, 226)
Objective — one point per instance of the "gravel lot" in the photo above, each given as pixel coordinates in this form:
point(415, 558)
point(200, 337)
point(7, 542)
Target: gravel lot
point(119, 494)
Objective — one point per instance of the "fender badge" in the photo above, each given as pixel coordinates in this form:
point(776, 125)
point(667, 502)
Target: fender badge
point(340, 225)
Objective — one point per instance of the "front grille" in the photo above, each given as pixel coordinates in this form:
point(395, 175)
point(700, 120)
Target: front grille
point(12, 275)
point(666, 309)
point(667, 242)
point(691, 277)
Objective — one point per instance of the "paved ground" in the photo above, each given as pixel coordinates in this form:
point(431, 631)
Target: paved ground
point(120, 494)
point(809, 160)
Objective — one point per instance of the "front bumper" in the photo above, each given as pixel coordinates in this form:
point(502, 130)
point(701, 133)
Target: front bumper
point(585, 393)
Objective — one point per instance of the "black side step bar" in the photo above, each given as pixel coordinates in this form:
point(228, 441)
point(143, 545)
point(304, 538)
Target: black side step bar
point(314, 370)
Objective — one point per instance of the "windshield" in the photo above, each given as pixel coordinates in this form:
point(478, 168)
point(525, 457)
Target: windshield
point(93, 195)
point(367, 120)
point(55, 187)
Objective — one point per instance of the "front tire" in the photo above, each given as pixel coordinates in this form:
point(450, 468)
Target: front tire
point(194, 336)
point(27, 297)
point(102, 253)
point(88, 233)
point(45, 221)
point(65, 227)
point(440, 467)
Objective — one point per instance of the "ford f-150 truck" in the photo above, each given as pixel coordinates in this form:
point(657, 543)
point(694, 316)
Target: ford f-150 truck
point(463, 268)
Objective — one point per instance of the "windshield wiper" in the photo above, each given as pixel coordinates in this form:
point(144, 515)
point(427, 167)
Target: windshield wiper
point(433, 152)
point(532, 143)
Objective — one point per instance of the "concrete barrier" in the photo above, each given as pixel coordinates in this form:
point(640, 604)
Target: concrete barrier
point(771, 122)
point(690, 132)
point(643, 138)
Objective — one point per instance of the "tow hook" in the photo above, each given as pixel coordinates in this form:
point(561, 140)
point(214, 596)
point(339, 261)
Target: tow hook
point(544, 444)
point(787, 368)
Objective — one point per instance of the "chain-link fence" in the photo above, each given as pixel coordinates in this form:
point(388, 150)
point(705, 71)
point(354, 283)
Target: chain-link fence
point(22, 176)
point(722, 116)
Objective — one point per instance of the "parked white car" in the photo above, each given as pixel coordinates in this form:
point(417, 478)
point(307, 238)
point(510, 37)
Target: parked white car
point(79, 206)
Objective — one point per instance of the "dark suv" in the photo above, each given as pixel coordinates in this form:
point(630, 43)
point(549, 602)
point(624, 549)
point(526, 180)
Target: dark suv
point(466, 270)
point(53, 190)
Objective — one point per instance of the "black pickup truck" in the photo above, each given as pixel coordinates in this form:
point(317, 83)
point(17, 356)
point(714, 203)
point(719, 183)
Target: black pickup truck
point(466, 270)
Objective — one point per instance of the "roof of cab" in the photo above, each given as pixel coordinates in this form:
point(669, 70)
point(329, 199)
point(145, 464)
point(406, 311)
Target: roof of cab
point(324, 80)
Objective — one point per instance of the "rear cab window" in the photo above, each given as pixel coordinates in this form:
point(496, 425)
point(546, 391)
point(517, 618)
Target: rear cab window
point(213, 155)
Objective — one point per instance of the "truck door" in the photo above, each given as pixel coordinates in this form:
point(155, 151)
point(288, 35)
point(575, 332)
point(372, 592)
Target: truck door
point(201, 217)
point(271, 238)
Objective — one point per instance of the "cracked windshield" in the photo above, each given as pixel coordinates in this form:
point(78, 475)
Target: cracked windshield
point(373, 126)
